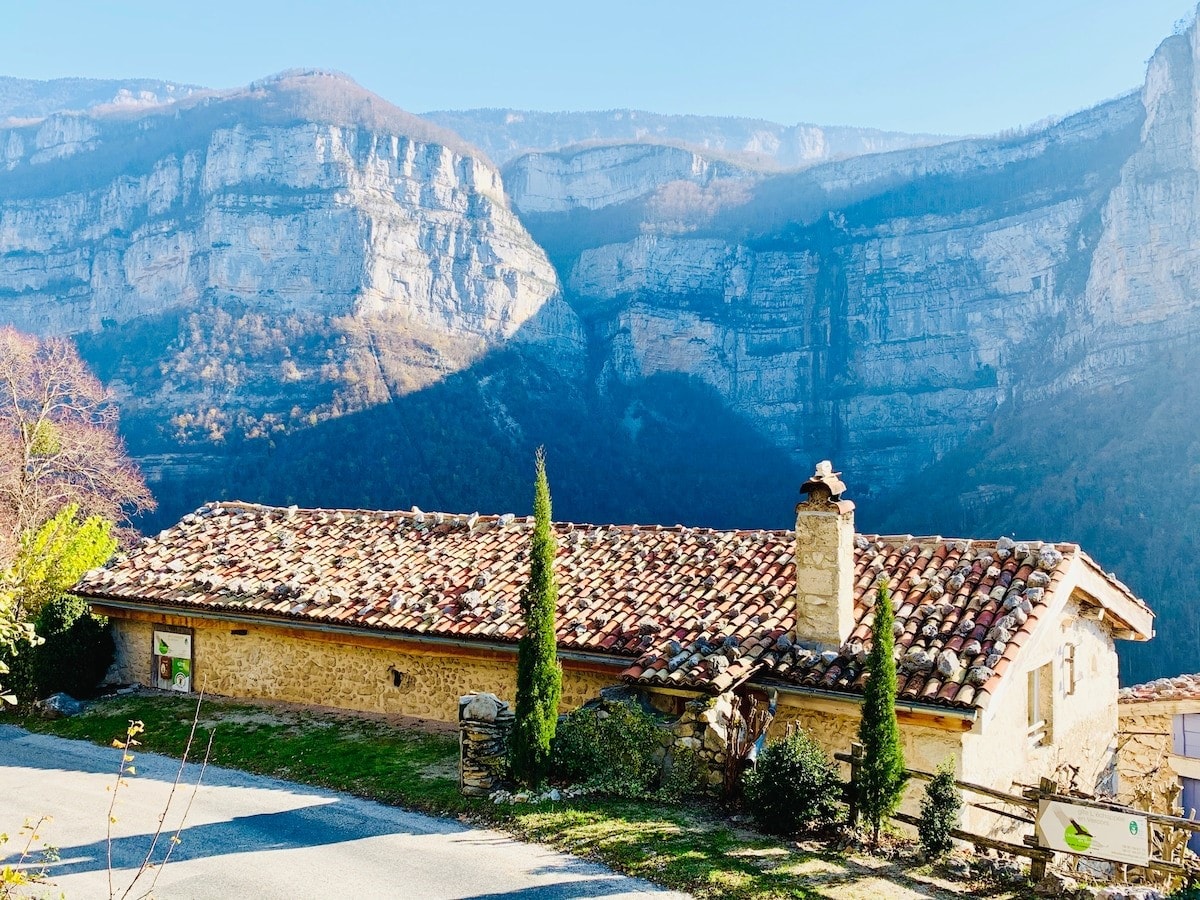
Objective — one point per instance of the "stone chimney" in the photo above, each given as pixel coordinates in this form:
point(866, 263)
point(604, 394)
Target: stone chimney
point(824, 561)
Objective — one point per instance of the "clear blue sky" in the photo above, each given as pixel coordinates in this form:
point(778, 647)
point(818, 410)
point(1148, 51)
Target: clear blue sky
point(951, 66)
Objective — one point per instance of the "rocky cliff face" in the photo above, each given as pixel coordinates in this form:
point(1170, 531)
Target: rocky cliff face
point(879, 309)
point(505, 134)
point(590, 178)
point(286, 253)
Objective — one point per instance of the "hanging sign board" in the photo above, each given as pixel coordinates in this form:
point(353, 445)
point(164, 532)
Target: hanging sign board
point(1099, 833)
point(173, 661)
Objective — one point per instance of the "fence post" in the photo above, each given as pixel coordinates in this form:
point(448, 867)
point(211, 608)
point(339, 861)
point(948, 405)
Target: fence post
point(1037, 869)
point(856, 758)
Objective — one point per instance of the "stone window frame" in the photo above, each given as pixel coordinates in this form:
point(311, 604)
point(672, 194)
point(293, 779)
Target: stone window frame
point(1040, 704)
point(1070, 670)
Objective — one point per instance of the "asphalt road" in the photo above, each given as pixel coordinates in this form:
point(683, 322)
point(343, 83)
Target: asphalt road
point(253, 837)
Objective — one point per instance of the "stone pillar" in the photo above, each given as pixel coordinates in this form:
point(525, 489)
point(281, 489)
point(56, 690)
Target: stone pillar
point(484, 724)
point(703, 730)
point(824, 562)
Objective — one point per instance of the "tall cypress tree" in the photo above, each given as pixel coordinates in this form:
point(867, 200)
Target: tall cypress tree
point(881, 776)
point(539, 676)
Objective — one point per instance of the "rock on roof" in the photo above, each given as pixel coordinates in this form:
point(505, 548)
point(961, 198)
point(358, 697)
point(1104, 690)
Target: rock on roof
point(684, 607)
point(1180, 687)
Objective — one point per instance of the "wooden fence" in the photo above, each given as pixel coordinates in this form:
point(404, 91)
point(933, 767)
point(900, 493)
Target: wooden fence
point(1168, 834)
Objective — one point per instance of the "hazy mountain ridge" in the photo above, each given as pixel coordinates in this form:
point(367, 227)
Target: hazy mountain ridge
point(25, 98)
point(505, 134)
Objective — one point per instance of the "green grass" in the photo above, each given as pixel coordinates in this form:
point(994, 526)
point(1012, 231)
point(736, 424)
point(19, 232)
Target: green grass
point(686, 848)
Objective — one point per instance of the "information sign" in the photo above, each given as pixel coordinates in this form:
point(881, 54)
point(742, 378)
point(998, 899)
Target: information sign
point(1099, 833)
point(173, 661)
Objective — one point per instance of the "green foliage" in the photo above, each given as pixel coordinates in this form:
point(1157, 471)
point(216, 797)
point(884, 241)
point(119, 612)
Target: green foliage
point(53, 557)
point(683, 776)
point(71, 652)
point(76, 649)
point(34, 606)
point(939, 812)
point(795, 786)
point(881, 777)
point(539, 675)
point(612, 750)
point(15, 636)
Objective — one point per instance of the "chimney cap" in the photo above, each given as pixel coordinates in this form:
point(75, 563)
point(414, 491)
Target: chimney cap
point(824, 480)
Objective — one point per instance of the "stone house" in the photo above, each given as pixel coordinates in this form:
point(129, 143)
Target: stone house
point(1005, 650)
point(1159, 739)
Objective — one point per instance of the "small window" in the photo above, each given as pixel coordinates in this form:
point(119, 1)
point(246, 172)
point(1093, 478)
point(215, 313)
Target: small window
point(1187, 735)
point(1041, 705)
point(1069, 670)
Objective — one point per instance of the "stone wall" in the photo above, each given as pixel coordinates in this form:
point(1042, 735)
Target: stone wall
point(702, 729)
point(1146, 777)
point(925, 746)
point(274, 664)
point(1080, 747)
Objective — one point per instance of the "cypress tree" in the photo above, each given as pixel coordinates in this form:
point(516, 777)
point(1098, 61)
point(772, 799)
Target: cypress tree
point(881, 776)
point(539, 676)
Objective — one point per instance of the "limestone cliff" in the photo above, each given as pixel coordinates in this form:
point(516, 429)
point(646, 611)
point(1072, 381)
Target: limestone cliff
point(263, 258)
point(594, 177)
point(877, 309)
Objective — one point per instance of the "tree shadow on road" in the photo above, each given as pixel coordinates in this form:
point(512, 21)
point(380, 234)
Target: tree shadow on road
point(306, 826)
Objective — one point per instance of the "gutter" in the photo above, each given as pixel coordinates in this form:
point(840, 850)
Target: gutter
point(377, 633)
point(954, 712)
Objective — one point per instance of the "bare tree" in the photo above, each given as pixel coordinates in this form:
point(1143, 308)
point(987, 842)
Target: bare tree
point(58, 440)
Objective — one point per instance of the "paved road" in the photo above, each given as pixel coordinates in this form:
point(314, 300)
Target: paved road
point(253, 837)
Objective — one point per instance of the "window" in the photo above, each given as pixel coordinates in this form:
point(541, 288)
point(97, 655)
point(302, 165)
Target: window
point(1069, 670)
point(1187, 735)
point(1041, 704)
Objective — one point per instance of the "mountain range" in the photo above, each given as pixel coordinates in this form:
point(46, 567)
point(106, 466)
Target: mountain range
point(303, 294)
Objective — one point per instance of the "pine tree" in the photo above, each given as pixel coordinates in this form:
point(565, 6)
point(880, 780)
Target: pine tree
point(881, 776)
point(539, 676)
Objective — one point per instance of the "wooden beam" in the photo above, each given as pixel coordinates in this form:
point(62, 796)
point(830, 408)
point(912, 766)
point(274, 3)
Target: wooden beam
point(1037, 853)
point(995, 794)
point(851, 706)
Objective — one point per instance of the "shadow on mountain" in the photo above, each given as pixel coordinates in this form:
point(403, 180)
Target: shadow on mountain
point(665, 450)
point(1116, 470)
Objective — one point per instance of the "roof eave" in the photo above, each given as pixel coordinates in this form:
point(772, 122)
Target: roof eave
point(617, 663)
point(1115, 599)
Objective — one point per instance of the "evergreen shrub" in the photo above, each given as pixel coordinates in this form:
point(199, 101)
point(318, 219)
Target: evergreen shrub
point(539, 675)
point(76, 652)
point(795, 786)
point(882, 775)
point(614, 749)
point(940, 808)
point(683, 775)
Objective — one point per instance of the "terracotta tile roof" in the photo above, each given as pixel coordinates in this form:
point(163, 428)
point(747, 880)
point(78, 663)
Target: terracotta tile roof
point(963, 610)
point(686, 607)
point(1180, 687)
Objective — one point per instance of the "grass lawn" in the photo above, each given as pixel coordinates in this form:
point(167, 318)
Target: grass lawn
point(690, 849)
